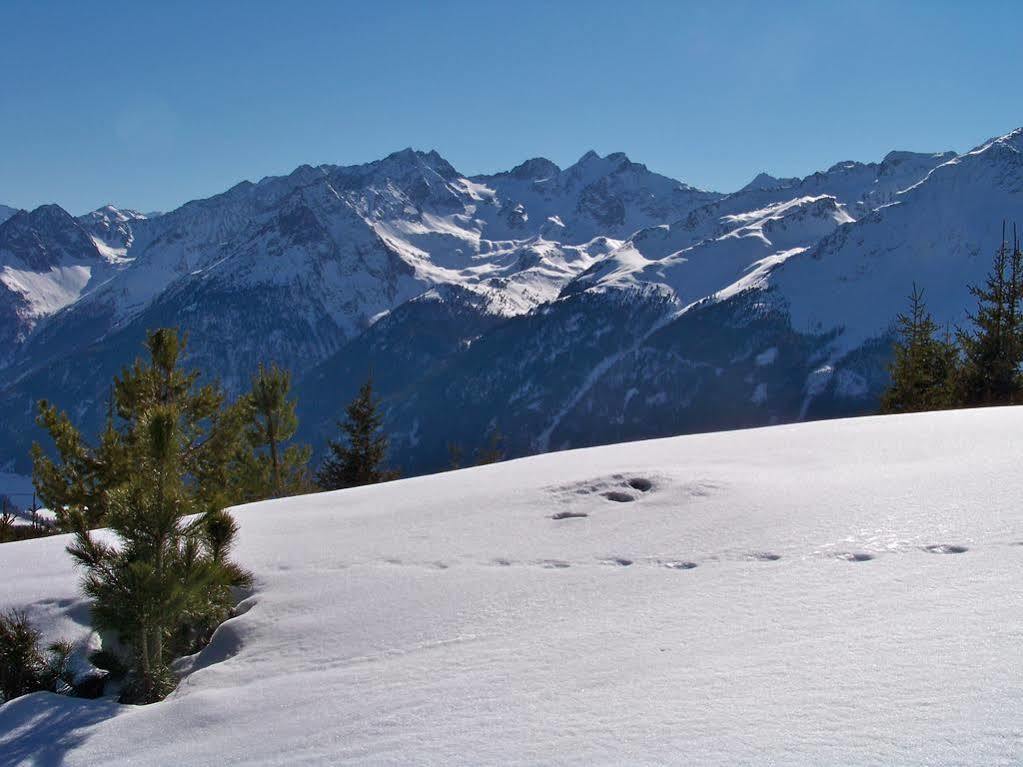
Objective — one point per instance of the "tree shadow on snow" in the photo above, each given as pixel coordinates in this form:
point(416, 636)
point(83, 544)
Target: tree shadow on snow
point(40, 729)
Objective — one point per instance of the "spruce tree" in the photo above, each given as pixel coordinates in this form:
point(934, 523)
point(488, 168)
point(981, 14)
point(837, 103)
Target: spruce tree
point(267, 467)
point(993, 349)
point(924, 366)
point(359, 459)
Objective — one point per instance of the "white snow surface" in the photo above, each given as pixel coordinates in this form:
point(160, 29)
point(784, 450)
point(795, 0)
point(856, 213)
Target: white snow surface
point(46, 292)
point(449, 619)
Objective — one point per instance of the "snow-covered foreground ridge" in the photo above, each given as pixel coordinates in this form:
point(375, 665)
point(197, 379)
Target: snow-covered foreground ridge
point(855, 600)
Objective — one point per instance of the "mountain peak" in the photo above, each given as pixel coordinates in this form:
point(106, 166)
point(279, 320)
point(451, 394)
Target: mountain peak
point(767, 182)
point(45, 237)
point(115, 213)
point(591, 158)
point(414, 158)
point(535, 169)
point(408, 154)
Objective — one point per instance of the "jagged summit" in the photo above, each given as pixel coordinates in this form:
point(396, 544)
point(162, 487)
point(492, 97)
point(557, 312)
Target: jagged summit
point(111, 226)
point(412, 158)
point(117, 213)
point(591, 163)
point(535, 169)
point(765, 181)
point(44, 238)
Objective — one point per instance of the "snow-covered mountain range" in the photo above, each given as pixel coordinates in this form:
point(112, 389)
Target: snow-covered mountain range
point(557, 307)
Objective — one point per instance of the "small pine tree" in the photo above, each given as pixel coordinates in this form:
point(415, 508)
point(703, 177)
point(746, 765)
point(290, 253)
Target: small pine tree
point(24, 666)
point(267, 468)
point(923, 369)
point(165, 582)
point(993, 349)
point(359, 459)
point(80, 480)
point(165, 454)
point(210, 431)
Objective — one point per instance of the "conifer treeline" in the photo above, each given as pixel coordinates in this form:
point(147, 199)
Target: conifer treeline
point(970, 367)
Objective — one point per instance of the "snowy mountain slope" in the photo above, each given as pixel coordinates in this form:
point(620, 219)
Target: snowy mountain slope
point(757, 238)
point(610, 196)
point(858, 187)
point(514, 381)
point(415, 203)
point(413, 341)
point(112, 227)
point(828, 305)
point(47, 261)
point(6, 212)
point(830, 593)
point(293, 268)
point(940, 233)
point(785, 342)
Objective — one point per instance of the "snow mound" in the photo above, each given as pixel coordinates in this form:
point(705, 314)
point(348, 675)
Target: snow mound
point(768, 595)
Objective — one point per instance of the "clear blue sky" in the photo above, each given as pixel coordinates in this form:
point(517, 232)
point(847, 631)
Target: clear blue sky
point(150, 104)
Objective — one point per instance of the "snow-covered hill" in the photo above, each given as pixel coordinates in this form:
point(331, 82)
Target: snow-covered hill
point(830, 593)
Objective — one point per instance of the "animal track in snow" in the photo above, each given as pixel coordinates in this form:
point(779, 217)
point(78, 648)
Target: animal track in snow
point(554, 564)
point(618, 496)
point(945, 548)
point(678, 564)
point(623, 561)
point(620, 488)
point(853, 556)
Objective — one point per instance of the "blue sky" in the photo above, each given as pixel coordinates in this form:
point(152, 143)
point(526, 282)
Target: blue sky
point(150, 104)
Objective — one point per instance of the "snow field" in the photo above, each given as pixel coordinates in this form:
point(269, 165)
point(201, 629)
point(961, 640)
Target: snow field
point(854, 600)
